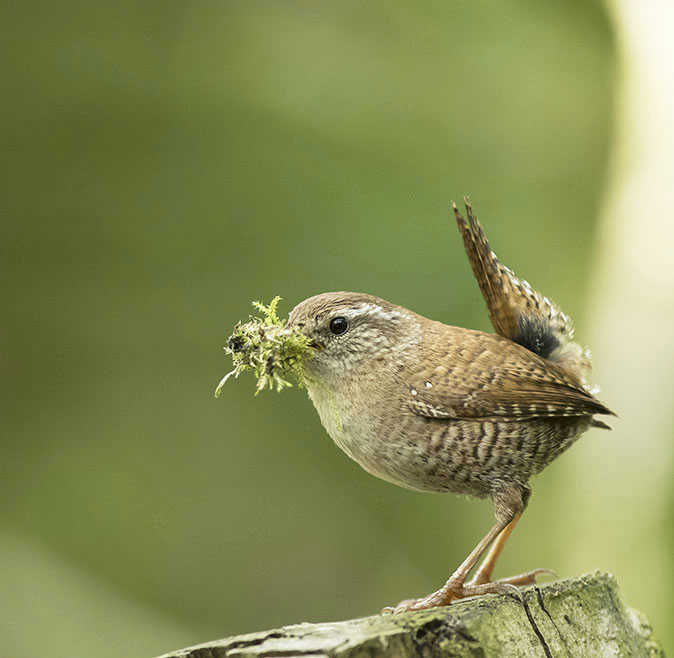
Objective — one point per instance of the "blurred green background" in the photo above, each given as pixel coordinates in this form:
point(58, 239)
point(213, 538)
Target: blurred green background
point(163, 164)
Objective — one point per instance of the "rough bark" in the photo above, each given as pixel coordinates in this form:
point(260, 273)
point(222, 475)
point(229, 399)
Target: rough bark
point(582, 616)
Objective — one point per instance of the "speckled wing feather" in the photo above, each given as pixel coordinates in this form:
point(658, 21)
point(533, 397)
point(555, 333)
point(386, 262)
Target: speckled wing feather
point(495, 379)
point(516, 310)
point(514, 401)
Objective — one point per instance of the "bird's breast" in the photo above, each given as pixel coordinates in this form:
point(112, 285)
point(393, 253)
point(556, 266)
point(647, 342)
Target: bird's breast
point(385, 446)
point(353, 426)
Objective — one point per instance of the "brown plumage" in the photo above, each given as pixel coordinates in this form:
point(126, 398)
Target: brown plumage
point(434, 407)
point(516, 310)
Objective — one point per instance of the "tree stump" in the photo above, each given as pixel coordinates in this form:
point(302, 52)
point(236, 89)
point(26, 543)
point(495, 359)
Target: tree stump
point(577, 618)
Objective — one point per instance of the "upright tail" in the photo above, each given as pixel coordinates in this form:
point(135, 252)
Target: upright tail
point(516, 310)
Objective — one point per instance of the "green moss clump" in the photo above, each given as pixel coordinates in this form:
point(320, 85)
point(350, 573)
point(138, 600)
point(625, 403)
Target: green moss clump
point(270, 348)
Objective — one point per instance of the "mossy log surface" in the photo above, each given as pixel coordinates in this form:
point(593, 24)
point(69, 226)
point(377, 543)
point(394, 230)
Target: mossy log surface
point(578, 617)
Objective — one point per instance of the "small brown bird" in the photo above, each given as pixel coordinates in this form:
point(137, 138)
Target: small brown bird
point(432, 407)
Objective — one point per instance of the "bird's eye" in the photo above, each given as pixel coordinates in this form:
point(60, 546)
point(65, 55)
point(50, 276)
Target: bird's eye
point(339, 325)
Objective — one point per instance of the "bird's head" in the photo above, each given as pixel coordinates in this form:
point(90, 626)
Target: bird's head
point(352, 333)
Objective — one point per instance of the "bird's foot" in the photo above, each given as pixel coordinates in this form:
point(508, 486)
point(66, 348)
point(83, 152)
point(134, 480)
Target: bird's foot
point(453, 591)
point(449, 593)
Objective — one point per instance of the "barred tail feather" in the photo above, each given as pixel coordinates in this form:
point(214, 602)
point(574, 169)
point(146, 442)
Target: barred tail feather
point(516, 310)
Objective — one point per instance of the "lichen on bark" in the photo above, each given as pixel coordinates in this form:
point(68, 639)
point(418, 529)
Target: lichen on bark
point(580, 617)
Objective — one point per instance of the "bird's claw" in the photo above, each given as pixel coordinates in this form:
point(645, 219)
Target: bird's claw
point(403, 606)
point(528, 578)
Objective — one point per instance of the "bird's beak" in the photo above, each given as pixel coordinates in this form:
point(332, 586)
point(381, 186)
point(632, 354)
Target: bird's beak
point(317, 345)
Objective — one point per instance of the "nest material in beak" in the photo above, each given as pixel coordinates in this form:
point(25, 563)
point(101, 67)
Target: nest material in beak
point(270, 348)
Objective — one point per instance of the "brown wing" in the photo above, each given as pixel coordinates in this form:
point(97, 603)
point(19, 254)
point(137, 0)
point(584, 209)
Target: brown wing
point(496, 379)
point(516, 310)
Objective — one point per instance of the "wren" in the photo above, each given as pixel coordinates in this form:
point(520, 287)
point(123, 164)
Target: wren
point(432, 407)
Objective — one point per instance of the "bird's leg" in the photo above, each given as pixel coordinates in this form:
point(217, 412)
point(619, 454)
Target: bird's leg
point(454, 588)
point(483, 574)
point(509, 503)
